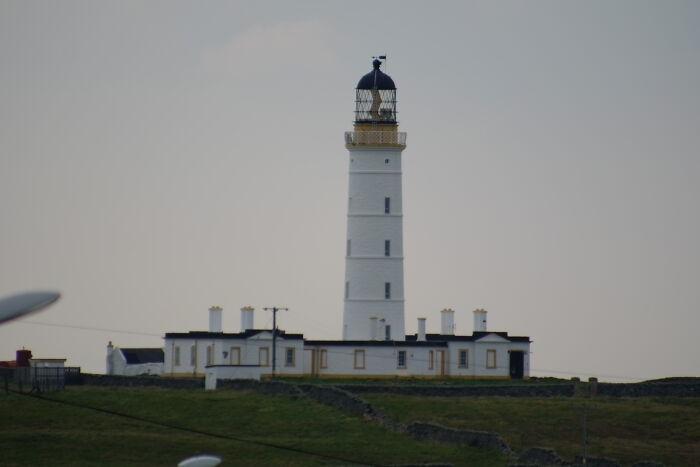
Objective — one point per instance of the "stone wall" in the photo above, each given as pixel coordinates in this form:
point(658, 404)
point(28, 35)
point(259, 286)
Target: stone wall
point(118, 380)
point(691, 389)
point(522, 390)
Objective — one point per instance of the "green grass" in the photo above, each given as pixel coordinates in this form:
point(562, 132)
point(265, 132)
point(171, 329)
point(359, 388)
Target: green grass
point(42, 432)
point(627, 429)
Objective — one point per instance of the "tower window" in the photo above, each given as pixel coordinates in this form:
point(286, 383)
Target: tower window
point(463, 358)
point(387, 290)
point(401, 359)
point(359, 362)
point(264, 356)
point(210, 355)
point(348, 249)
point(491, 358)
point(177, 355)
point(347, 289)
point(387, 247)
point(387, 332)
point(386, 161)
point(289, 356)
point(387, 205)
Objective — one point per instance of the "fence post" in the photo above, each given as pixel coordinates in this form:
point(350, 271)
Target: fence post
point(593, 386)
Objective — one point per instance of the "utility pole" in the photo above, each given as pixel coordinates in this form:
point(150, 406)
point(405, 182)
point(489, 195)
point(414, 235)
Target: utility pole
point(274, 310)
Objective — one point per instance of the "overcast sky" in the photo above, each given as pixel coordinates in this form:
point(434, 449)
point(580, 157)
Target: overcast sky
point(157, 158)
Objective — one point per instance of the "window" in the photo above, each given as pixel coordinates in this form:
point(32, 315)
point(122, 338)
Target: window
point(387, 290)
point(401, 359)
point(347, 289)
point(463, 358)
point(387, 247)
point(491, 358)
point(431, 359)
point(387, 205)
point(348, 248)
point(193, 355)
point(359, 359)
point(323, 357)
point(235, 355)
point(210, 355)
point(387, 332)
point(177, 355)
point(264, 359)
point(289, 356)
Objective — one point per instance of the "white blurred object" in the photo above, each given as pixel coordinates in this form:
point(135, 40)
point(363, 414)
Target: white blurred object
point(22, 304)
point(200, 461)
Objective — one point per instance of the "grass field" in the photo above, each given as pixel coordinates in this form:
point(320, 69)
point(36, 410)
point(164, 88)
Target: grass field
point(161, 427)
point(41, 432)
point(662, 429)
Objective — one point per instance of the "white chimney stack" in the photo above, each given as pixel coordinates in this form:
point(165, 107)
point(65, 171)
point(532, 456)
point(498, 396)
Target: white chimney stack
point(215, 319)
point(421, 329)
point(110, 358)
point(247, 318)
point(479, 320)
point(448, 322)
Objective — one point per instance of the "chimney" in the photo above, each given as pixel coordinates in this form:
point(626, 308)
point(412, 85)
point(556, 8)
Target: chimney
point(448, 322)
point(215, 319)
point(479, 320)
point(421, 329)
point(110, 361)
point(373, 328)
point(247, 318)
point(22, 357)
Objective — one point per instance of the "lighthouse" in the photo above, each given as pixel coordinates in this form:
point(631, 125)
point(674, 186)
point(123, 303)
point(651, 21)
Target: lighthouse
point(374, 285)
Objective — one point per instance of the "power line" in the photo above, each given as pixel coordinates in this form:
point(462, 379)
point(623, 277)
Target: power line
point(194, 430)
point(90, 328)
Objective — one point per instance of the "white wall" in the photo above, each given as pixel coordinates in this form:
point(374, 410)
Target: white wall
point(249, 353)
point(371, 180)
point(120, 367)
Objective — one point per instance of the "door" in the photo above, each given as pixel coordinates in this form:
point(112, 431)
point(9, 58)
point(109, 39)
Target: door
point(517, 364)
point(441, 362)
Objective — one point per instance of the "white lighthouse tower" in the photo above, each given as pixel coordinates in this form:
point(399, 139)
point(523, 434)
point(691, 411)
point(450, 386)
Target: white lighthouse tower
point(374, 293)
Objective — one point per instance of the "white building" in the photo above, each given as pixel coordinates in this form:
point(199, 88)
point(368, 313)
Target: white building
point(374, 341)
point(248, 353)
point(134, 361)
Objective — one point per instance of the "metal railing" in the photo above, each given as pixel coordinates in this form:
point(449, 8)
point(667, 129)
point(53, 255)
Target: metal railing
point(371, 138)
point(39, 379)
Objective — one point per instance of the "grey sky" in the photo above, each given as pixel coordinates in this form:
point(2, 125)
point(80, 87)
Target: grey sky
point(157, 158)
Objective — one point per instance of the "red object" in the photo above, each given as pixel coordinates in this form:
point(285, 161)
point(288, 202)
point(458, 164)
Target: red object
point(23, 357)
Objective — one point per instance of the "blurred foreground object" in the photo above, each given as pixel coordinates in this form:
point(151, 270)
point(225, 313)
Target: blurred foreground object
point(22, 304)
point(200, 461)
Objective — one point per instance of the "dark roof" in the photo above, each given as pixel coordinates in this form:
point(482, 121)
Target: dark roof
point(475, 336)
point(134, 356)
point(229, 335)
point(369, 343)
point(375, 79)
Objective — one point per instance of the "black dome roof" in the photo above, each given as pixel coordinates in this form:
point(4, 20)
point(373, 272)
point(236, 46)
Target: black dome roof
point(375, 79)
